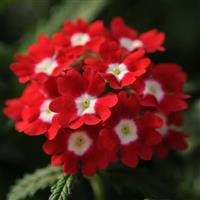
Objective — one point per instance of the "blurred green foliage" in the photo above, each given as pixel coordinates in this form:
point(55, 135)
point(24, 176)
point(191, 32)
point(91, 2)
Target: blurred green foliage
point(31, 183)
point(23, 20)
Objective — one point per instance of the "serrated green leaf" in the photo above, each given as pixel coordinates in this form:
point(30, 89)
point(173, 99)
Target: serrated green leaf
point(62, 189)
point(31, 183)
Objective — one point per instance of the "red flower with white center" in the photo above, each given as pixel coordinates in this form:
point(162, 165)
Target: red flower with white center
point(173, 138)
point(81, 33)
point(119, 72)
point(76, 150)
point(134, 137)
point(96, 97)
point(82, 103)
point(32, 114)
point(14, 107)
point(162, 88)
point(42, 61)
point(80, 38)
point(128, 38)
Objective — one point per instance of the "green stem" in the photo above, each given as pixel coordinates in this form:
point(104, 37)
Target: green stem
point(98, 187)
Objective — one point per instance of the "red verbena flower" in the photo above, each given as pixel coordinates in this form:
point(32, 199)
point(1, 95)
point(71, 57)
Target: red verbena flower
point(83, 103)
point(128, 38)
point(81, 37)
point(173, 137)
point(31, 110)
point(82, 33)
point(118, 71)
point(76, 150)
point(162, 87)
point(42, 61)
point(95, 96)
point(133, 136)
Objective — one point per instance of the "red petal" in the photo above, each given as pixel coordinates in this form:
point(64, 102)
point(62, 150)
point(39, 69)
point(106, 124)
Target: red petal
point(91, 119)
point(108, 140)
point(57, 159)
point(150, 120)
point(129, 157)
point(103, 112)
point(109, 100)
point(133, 57)
point(72, 78)
point(128, 79)
point(173, 103)
point(153, 40)
point(89, 168)
point(53, 130)
point(96, 83)
point(76, 123)
point(36, 128)
point(144, 152)
point(152, 138)
point(120, 29)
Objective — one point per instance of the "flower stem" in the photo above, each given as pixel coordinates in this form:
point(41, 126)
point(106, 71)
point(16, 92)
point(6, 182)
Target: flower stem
point(98, 188)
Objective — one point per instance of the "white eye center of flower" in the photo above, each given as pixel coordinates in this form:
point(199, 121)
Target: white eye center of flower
point(46, 66)
point(126, 130)
point(118, 70)
point(164, 129)
point(129, 44)
point(85, 104)
point(79, 142)
point(79, 39)
point(46, 115)
point(154, 88)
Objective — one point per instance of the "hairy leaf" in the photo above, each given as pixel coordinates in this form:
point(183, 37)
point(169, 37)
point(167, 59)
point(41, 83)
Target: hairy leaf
point(62, 189)
point(31, 183)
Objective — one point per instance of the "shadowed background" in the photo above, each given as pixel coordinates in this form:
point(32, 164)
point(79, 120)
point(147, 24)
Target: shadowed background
point(21, 21)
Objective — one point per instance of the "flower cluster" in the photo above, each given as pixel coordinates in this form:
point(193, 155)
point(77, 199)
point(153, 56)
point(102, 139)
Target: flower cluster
point(98, 98)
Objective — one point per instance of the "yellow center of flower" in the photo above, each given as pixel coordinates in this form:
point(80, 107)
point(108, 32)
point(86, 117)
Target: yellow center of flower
point(86, 103)
point(152, 89)
point(116, 71)
point(119, 70)
point(125, 129)
point(79, 142)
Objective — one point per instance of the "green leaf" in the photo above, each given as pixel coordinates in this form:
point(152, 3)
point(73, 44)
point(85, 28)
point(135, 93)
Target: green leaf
point(31, 183)
point(62, 189)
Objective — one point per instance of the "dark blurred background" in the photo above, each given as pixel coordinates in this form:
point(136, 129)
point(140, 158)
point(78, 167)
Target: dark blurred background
point(22, 20)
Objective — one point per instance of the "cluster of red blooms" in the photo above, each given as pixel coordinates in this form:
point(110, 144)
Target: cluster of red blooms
point(98, 98)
